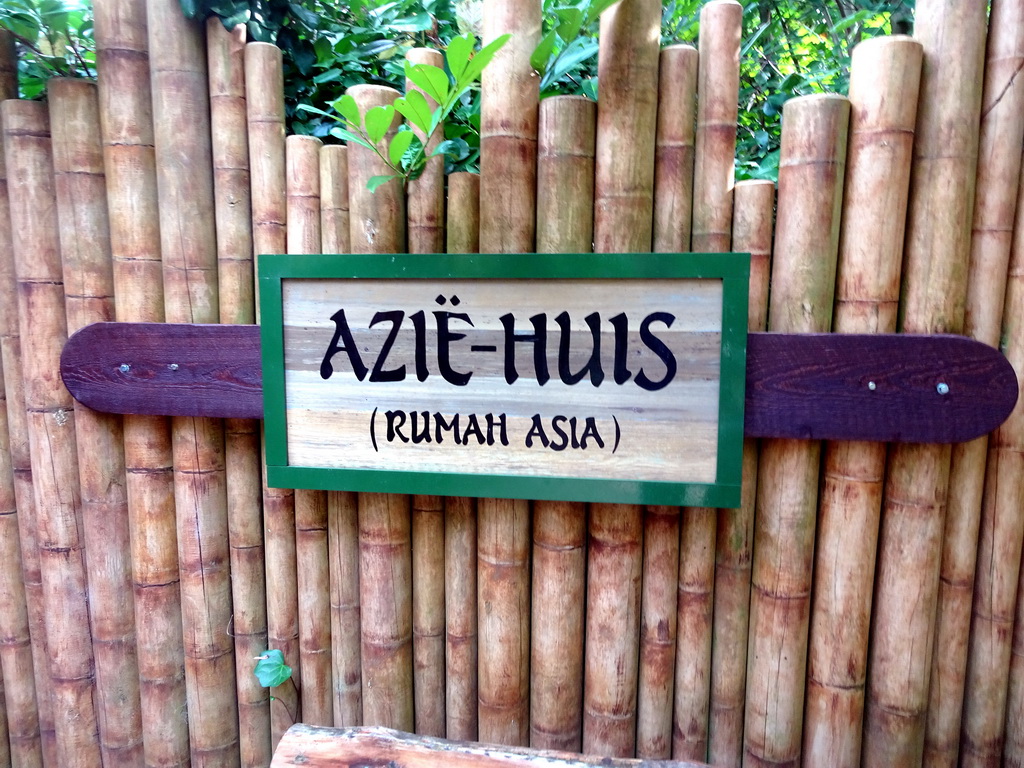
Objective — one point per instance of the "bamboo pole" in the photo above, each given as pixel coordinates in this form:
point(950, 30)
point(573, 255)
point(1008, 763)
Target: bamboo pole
point(674, 149)
point(343, 545)
point(883, 94)
point(462, 229)
point(51, 428)
point(19, 695)
point(460, 521)
point(302, 173)
point(385, 549)
point(721, 23)
point(557, 622)
point(89, 298)
point(623, 216)
point(986, 656)
point(428, 614)
point(334, 213)
point(503, 604)
point(935, 260)
point(695, 594)
point(565, 205)
point(264, 102)
point(753, 205)
point(814, 133)
point(460, 562)
point(507, 200)
point(508, 132)
point(181, 105)
point(129, 162)
point(624, 170)
point(426, 194)
point(565, 175)
point(20, 586)
point(225, 56)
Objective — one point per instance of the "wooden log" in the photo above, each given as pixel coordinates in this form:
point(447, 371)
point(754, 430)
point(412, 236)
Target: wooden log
point(462, 231)
point(343, 543)
point(334, 213)
point(811, 175)
point(184, 162)
point(565, 205)
point(460, 592)
point(129, 160)
point(935, 260)
point(674, 149)
point(718, 70)
point(753, 207)
point(996, 551)
point(509, 90)
point(385, 598)
point(236, 286)
point(623, 221)
point(51, 429)
point(376, 219)
point(428, 614)
point(507, 222)
point(264, 101)
point(503, 614)
point(614, 551)
point(302, 184)
point(557, 621)
point(323, 747)
point(89, 298)
point(883, 94)
point(565, 175)
point(425, 196)
point(624, 166)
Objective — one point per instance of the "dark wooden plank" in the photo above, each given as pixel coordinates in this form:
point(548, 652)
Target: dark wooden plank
point(166, 369)
point(819, 386)
point(808, 386)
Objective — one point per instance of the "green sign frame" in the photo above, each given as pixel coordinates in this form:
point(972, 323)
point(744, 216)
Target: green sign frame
point(733, 269)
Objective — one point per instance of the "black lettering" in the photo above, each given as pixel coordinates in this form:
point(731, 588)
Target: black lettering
point(590, 431)
point(444, 339)
point(621, 325)
point(473, 428)
point(441, 426)
point(395, 421)
point(395, 374)
point(563, 438)
point(419, 326)
point(502, 433)
point(658, 347)
point(593, 365)
point(420, 434)
point(342, 333)
point(536, 431)
point(539, 339)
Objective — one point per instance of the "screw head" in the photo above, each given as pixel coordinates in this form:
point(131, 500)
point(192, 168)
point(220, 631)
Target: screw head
point(173, 366)
point(942, 388)
point(124, 368)
point(872, 386)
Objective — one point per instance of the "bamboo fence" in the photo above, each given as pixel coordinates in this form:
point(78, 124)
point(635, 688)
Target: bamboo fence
point(870, 613)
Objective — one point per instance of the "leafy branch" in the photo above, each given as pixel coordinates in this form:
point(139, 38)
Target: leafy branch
point(406, 154)
point(563, 50)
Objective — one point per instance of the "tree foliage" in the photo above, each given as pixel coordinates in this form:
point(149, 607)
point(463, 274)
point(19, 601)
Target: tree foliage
point(54, 39)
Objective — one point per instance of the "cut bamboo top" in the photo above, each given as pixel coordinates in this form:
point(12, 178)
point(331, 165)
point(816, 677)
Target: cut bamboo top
point(676, 113)
point(567, 127)
point(264, 84)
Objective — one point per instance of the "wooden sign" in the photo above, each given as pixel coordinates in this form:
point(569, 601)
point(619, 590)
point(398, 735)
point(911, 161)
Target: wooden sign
point(576, 377)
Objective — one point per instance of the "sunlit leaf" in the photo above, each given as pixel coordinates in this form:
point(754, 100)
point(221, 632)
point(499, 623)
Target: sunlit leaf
point(378, 121)
point(347, 107)
point(348, 136)
point(458, 54)
point(431, 80)
point(541, 54)
point(398, 145)
point(271, 670)
point(414, 108)
point(377, 181)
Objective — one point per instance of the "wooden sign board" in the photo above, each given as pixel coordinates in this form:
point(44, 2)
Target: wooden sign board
point(612, 378)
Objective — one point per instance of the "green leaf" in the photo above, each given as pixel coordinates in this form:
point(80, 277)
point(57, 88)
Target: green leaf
point(327, 77)
point(376, 181)
point(347, 107)
point(419, 22)
point(431, 80)
point(482, 59)
point(541, 54)
point(458, 54)
point(454, 149)
point(378, 120)
point(398, 145)
point(414, 108)
point(304, 15)
point(339, 132)
point(577, 52)
point(597, 7)
point(570, 24)
point(271, 670)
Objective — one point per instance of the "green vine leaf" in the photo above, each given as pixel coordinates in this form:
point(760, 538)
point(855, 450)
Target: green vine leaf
point(378, 120)
point(271, 670)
